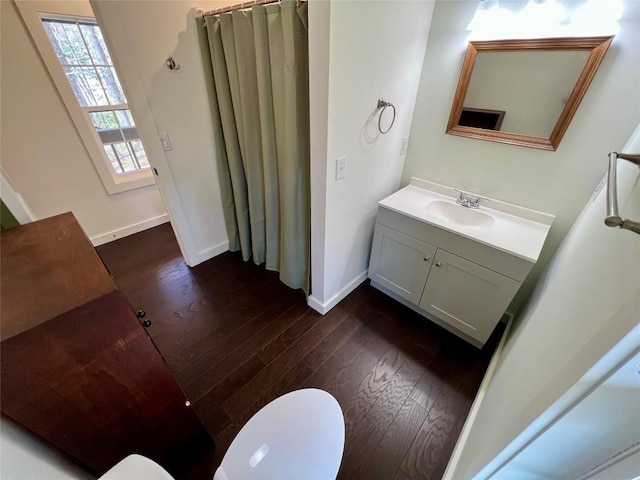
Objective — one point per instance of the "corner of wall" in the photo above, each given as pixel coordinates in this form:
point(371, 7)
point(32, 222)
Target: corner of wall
point(319, 46)
point(14, 201)
point(379, 57)
point(323, 307)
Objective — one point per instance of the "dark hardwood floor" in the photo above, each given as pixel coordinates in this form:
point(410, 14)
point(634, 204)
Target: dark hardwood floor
point(236, 338)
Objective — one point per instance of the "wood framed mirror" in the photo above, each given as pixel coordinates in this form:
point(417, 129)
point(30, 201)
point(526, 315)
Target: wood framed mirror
point(524, 92)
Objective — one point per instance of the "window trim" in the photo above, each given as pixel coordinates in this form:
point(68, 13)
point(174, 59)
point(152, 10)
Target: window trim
point(113, 183)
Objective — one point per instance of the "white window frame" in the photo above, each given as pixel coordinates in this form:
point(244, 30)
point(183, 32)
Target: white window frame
point(113, 183)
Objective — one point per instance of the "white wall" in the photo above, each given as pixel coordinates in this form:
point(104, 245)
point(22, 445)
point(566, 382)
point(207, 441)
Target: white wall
point(41, 151)
point(557, 182)
point(365, 50)
point(143, 35)
point(584, 306)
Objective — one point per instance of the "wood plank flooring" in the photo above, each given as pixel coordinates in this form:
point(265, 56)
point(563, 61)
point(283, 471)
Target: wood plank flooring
point(236, 338)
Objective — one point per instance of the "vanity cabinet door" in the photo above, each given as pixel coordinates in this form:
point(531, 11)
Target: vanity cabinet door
point(400, 263)
point(467, 296)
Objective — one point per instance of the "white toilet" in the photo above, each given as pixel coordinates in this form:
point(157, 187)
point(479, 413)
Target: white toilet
point(138, 467)
point(298, 436)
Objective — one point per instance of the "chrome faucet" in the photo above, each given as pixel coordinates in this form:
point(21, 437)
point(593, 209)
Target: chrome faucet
point(467, 200)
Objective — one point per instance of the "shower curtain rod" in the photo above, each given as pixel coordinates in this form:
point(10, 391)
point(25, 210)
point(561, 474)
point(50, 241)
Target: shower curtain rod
point(239, 6)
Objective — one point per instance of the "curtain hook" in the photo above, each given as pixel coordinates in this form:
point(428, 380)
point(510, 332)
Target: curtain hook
point(171, 64)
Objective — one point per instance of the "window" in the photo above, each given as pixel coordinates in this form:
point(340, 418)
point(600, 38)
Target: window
point(86, 62)
point(82, 69)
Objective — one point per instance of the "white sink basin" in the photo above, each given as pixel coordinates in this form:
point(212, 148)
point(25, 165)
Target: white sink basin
point(458, 214)
point(510, 228)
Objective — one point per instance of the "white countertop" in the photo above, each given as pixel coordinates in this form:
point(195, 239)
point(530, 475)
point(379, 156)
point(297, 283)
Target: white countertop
point(515, 230)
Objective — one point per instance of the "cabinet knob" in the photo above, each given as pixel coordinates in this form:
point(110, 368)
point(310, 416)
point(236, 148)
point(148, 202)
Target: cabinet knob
point(438, 264)
point(425, 258)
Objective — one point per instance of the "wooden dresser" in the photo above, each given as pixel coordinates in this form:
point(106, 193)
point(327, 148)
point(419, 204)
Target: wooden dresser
point(78, 369)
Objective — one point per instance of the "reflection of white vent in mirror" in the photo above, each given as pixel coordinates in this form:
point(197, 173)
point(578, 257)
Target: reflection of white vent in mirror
point(259, 454)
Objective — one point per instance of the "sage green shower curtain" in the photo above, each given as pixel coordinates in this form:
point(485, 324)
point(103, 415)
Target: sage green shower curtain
point(257, 64)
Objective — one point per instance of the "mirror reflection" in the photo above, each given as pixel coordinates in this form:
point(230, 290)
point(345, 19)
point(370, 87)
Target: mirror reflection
point(524, 92)
point(521, 92)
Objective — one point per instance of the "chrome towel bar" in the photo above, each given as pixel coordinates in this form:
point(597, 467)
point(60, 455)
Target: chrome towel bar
point(613, 218)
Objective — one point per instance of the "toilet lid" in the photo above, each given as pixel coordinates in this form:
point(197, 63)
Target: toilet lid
point(138, 467)
point(298, 436)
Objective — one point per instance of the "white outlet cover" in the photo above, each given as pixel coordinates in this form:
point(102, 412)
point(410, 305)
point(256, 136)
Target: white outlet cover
point(340, 167)
point(405, 145)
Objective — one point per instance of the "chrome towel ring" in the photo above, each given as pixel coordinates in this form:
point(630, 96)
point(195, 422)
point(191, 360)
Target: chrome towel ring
point(382, 105)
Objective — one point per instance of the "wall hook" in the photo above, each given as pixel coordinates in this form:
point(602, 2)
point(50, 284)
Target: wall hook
point(171, 64)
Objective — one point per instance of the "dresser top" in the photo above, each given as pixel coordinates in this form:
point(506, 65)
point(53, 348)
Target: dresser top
point(47, 268)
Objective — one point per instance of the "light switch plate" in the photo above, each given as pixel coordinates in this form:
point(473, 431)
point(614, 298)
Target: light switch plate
point(166, 142)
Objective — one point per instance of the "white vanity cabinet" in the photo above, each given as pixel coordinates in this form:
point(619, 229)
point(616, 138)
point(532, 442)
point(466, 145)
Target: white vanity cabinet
point(466, 296)
point(447, 288)
point(460, 277)
point(400, 263)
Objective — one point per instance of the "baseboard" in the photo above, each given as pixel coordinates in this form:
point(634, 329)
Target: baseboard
point(128, 230)
point(323, 308)
point(450, 472)
point(208, 253)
